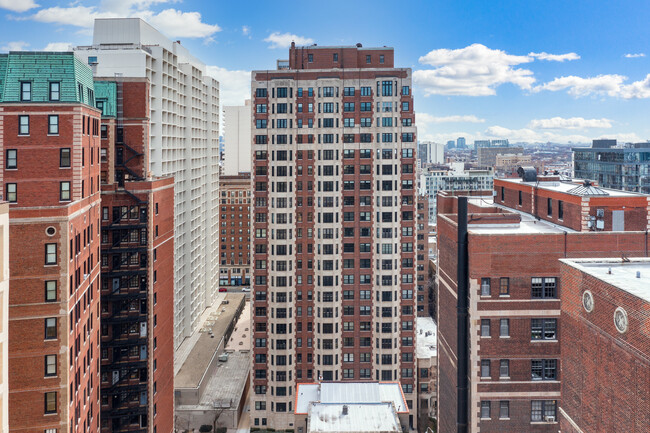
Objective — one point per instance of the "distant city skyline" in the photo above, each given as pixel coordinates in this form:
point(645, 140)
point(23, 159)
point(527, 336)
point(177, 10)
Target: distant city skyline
point(519, 70)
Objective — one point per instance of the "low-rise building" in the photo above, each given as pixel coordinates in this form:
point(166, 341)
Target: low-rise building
point(487, 155)
point(605, 345)
point(427, 362)
point(212, 381)
point(350, 407)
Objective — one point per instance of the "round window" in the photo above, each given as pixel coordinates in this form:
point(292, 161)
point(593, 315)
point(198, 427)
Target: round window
point(620, 320)
point(588, 301)
point(50, 231)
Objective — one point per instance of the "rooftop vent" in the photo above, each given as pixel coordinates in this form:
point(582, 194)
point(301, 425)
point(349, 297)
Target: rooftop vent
point(527, 174)
point(587, 188)
point(359, 45)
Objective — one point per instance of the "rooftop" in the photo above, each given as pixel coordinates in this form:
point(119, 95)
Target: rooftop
point(349, 392)
point(205, 345)
point(360, 417)
point(227, 384)
point(568, 186)
point(426, 335)
point(618, 273)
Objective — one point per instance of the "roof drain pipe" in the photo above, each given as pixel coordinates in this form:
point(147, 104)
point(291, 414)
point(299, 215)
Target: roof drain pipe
point(462, 315)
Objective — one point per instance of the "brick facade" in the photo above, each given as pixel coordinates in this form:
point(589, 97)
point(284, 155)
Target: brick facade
point(513, 254)
point(235, 230)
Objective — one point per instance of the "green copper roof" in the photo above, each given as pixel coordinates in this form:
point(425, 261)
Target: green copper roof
point(106, 96)
point(41, 68)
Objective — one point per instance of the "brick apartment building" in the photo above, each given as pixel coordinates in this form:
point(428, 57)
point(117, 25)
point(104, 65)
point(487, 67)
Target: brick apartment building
point(50, 176)
point(235, 230)
point(605, 345)
point(424, 307)
point(335, 213)
point(137, 293)
point(504, 275)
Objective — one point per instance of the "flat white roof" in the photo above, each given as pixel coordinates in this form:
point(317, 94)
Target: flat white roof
point(566, 186)
point(360, 417)
point(623, 274)
point(426, 336)
point(349, 392)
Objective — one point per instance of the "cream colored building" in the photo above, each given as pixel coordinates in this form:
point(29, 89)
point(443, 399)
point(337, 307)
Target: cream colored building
point(184, 143)
point(4, 316)
point(237, 136)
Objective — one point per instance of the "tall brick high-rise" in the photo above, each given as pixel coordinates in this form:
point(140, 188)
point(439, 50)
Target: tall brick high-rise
point(137, 291)
point(504, 262)
point(50, 141)
point(334, 151)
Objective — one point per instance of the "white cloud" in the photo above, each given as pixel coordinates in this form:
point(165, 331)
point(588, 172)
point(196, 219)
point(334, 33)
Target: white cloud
point(234, 86)
point(569, 123)
point(18, 5)
point(555, 57)
point(475, 70)
point(283, 40)
point(246, 30)
point(15, 46)
point(428, 118)
point(58, 46)
point(172, 22)
point(634, 55)
point(176, 23)
point(610, 84)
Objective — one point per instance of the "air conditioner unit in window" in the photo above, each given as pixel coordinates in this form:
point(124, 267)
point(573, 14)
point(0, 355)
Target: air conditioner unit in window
point(549, 418)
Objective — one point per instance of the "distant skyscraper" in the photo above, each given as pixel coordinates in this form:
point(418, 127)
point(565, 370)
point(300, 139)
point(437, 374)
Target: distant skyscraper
point(435, 152)
point(500, 143)
point(335, 226)
point(460, 143)
point(451, 144)
point(237, 125)
point(481, 143)
point(184, 134)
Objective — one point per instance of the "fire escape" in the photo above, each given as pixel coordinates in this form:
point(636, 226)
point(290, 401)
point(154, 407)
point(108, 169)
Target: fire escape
point(124, 303)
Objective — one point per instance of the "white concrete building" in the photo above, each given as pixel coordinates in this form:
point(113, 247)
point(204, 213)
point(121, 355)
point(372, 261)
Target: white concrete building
point(184, 143)
point(435, 152)
point(456, 178)
point(237, 126)
point(4, 317)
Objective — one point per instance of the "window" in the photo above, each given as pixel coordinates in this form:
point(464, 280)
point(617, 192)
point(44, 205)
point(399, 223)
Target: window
point(406, 90)
point(485, 327)
point(386, 88)
point(50, 291)
point(405, 106)
point(485, 368)
point(504, 368)
point(310, 58)
point(520, 199)
point(50, 365)
point(543, 329)
point(64, 157)
point(23, 125)
point(560, 209)
point(368, 59)
point(381, 58)
point(50, 254)
point(485, 409)
point(12, 158)
point(504, 328)
point(485, 287)
point(504, 286)
point(549, 207)
point(542, 410)
point(504, 410)
point(55, 91)
point(503, 193)
point(50, 328)
point(50, 402)
point(25, 91)
point(543, 288)
point(64, 191)
point(11, 192)
point(543, 369)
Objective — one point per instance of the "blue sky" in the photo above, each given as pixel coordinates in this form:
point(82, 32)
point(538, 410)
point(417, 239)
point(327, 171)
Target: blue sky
point(527, 70)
